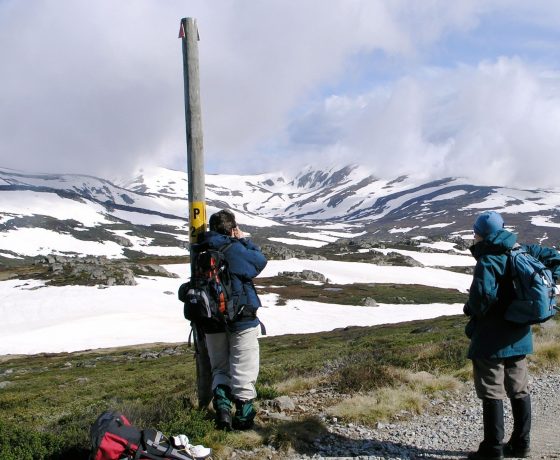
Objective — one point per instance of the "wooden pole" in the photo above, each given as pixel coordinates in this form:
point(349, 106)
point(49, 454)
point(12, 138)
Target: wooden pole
point(193, 117)
point(188, 32)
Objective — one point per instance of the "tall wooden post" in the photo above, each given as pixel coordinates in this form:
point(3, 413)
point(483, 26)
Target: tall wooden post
point(193, 117)
point(188, 33)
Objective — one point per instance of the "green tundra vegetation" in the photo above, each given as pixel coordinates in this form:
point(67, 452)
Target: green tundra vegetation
point(49, 401)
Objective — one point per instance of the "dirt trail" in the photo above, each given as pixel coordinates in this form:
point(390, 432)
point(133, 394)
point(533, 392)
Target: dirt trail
point(545, 432)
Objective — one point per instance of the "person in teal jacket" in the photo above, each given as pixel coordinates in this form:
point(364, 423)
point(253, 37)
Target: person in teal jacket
point(498, 348)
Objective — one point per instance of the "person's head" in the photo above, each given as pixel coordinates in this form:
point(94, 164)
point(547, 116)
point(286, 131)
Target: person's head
point(487, 223)
point(222, 222)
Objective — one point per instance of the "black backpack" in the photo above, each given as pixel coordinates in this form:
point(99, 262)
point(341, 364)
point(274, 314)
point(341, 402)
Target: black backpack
point(207, 296)
point(114, 438)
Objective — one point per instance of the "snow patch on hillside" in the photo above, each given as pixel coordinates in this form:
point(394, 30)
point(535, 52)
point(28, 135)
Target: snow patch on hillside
point(37, 318)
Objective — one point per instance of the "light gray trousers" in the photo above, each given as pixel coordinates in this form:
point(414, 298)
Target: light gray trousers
point(234, 357)
point(496, 378)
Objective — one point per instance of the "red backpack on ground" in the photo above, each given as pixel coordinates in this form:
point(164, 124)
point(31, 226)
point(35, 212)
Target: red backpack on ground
point(114, 438)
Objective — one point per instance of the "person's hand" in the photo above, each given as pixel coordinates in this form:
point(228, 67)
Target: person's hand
point(237, 233)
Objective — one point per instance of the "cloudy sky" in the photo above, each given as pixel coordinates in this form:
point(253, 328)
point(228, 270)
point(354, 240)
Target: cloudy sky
point(438, 87)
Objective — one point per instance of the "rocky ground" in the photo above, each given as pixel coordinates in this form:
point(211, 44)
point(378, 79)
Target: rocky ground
point(100, 271)
point(448, 430)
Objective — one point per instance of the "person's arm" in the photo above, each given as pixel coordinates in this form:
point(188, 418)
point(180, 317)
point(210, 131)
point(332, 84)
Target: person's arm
point(483, 293)
point(245, 259)
point(550, 257)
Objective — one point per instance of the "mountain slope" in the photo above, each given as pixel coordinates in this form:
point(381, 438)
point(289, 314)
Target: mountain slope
point(147, 214)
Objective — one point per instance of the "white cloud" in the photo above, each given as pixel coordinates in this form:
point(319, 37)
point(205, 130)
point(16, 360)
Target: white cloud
point(496, 122)
point(97, 86)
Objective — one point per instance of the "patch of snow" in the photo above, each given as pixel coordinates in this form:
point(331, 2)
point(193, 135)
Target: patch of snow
point(39, 241)
point(434, 259)
point(139, 218)
point(315, 236)
point(38, 318)
point(438, 225)
point(449, 196)
point(402, 230)
point(308, 317)
point(544, 221)
point(28, 203)
point(298, 242)
point(441, 245)
point(359, 272)
point(144, 244)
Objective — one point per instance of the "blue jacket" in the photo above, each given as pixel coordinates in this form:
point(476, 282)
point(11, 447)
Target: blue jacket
point(245, 262)
point(491, 292)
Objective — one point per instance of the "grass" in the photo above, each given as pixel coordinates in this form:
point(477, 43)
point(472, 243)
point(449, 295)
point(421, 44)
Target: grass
point(547, 346)
point(381, 404)
point(394, 391)
point(430, 384)
point(354, 294)
point(298, 384)
point(57, 397)
point(48, 402)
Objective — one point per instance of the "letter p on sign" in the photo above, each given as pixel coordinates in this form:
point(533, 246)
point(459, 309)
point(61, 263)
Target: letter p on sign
point(197, 219)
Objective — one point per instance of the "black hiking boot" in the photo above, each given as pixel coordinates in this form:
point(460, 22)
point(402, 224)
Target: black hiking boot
point(511, 451)
point(222, 405)
point(518, 444)
point(481, 456)
point(493, 419)
point(223, 420)
point(244, 415)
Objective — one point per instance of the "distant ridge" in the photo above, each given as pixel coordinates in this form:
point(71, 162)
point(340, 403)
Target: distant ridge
point(150, 209)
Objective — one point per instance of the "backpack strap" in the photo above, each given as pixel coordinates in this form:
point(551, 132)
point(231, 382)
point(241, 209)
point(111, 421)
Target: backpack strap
point(197, 332)
point(515, 249)
point(511, 271)
point(189, 340)
point(223, 249)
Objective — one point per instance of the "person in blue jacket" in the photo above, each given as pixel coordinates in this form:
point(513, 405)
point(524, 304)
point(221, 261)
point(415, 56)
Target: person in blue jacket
point(498, 348)
point(233, 347)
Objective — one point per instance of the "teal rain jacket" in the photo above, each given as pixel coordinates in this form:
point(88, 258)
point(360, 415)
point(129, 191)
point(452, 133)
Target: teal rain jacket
point(490, 294)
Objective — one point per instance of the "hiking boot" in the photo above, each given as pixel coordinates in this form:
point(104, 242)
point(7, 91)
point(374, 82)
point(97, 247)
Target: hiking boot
point(222, 405)
point(481, 456)
point(244, 415)
point(493, 420)
point(518, 444)
point(223, 419)
point(511, 451)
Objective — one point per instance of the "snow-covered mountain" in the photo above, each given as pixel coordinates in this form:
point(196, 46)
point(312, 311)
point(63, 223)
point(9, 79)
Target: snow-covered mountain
point(42, 213)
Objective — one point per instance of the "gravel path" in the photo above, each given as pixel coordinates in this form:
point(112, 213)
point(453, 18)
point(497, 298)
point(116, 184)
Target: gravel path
point(449, 430)
point(546, 427)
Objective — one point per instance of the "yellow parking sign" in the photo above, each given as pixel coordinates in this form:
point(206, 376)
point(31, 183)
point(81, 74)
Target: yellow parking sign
point(197, 219)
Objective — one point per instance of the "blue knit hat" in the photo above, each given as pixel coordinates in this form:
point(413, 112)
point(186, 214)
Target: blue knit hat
point(487, 223)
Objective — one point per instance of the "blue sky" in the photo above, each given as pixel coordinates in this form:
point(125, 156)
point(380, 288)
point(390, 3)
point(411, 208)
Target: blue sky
point(433, 88)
